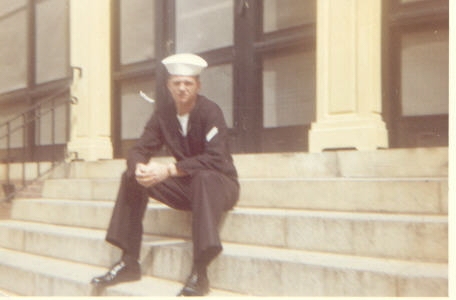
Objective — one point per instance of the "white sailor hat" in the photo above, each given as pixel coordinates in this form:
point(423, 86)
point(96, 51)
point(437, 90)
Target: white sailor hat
point(184, 64)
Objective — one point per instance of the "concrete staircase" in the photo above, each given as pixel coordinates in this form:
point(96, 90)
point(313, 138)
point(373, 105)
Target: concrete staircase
point(342, 223)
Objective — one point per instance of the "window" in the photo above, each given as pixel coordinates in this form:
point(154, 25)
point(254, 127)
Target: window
point(203, 25)
point(424, 76)
point(261, 57)
point(52, 40)
point(288, 54)
point(283, 14)
point(135, 111)
point(35, 60)
point(13, 32)
point(289, 89)
point(134, 45)
point(137, 39)
point(217, 84)
point(417, 87)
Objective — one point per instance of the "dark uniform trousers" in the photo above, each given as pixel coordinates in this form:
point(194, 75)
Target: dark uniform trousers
point(208, 194)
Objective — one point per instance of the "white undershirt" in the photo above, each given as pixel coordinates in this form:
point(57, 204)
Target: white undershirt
point(183, 120)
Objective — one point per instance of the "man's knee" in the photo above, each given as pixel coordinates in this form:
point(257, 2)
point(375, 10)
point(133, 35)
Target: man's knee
point(204, 176)
point(209, 185)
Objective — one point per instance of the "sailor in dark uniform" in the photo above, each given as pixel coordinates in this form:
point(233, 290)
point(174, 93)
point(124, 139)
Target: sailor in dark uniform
point(202, 180)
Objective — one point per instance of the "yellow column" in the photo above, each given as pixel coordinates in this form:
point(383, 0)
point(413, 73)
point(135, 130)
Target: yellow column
point(90, 51)
point(348, 76)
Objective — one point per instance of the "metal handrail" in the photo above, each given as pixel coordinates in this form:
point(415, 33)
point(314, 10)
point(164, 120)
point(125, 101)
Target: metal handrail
point(33, 114)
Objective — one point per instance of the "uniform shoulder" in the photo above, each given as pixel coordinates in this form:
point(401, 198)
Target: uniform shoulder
point(207, 104)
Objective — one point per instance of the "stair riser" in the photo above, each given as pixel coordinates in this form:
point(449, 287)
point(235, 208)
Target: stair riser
point(60, 246)
point(275, 278)
point(62, 213)
point(396, 239)
point(368, 237)
point(81, 189)
point(388, 196)
point(282, 278)
point(34, 190)
point(31, 171)
point(426, 162)
point(25, 283)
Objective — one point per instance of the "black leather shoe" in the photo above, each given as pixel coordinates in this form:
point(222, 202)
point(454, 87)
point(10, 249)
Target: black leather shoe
point(120, 272)
point(196, 285)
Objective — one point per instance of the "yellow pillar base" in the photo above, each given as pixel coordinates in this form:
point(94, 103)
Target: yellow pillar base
point(90, 149)
point(360, 135)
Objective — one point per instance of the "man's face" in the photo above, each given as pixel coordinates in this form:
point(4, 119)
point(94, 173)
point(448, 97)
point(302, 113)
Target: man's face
point(184, 89)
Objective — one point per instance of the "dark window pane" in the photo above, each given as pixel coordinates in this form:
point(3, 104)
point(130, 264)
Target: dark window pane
point(203, 25)
point(289, 89)
point(281, 14)
point(424, 75)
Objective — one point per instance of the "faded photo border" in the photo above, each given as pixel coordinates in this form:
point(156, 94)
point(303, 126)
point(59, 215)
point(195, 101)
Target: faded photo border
point(451, 153)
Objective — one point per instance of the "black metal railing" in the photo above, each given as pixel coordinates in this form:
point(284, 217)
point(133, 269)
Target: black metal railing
point(28, 124)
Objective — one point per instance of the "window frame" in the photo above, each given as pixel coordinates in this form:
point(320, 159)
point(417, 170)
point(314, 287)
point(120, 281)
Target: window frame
point(33, 93)
point(405, 131)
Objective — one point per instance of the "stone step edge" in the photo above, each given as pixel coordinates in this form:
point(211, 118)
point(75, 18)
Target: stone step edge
point(4, 293)
point(82, 274)
point(329, 260)
point(393, 267)
point(379, 159)
point(333, 214)
point(287, 179)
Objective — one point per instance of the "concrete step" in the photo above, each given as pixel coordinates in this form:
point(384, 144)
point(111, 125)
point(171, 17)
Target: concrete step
point(32, 190)
point(421, 162)
point(343, 223)
point(278, 272)
point(265, 271)
point(31, 170)
point(82, 189)
point(5, 210)
point(4, 293)
point(405, 195)
point(409, 237)
point(33, 275)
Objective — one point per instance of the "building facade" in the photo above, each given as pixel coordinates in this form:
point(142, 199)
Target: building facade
point(290, 75)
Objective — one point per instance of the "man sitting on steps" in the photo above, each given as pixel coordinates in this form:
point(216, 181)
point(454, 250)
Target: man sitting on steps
point(203, 179)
